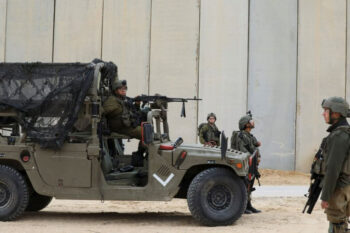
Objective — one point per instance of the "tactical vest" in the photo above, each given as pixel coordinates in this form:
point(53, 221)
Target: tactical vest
point(125, 117)
point(319, 165)
point(213, 134)
point(346, 166)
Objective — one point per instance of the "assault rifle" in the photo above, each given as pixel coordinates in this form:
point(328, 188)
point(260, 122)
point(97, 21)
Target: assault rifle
point(316, 179)
point(161, 101)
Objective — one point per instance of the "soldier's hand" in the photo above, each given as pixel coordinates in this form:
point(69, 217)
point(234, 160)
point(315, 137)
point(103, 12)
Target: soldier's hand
point(324, 205)
point(208, 144)
point(258, 144)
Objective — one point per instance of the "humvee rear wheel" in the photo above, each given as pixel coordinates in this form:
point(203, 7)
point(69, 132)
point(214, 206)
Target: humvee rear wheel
point(217, 197)
point(13, 193)
point(38, 202)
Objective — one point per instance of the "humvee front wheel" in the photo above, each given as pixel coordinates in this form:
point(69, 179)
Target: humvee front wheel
point(37, 202)
point(217, 197)
point(13, 193)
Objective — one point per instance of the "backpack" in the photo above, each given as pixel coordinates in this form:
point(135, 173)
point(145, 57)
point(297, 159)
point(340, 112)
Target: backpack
point(236, 141)
point(200, 128)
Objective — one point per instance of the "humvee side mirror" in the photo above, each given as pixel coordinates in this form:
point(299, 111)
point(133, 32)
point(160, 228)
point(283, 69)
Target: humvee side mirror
point(147, 133)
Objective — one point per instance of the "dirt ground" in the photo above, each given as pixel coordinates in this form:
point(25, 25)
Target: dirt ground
point(282, 215)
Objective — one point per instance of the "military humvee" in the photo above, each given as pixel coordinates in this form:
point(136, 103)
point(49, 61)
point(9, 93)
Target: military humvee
point(53, 144)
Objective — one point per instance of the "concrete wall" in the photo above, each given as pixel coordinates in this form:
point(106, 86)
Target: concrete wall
point(3, 4)
point(126, 41)
point(29, 30)
point(276, 58)
point(321, 70)
point(78, 30)
point(174, 60)
point(223, 61)
point(272, 79)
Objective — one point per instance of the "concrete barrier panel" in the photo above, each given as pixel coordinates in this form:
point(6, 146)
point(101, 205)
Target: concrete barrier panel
point(78, 29)
point(348, 53)
point(29, 30)
point(223, 62)
point(321, 70)
point(126, 41)
point(173, 65)
point(2, 29)
point(272, 79)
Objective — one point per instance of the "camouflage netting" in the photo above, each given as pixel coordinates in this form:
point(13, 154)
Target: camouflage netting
point(48, 96)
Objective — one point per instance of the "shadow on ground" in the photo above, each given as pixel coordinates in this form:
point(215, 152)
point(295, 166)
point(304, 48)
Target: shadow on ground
point(146, 218)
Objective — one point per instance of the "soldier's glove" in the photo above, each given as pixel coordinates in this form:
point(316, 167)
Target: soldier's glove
point(209, 144)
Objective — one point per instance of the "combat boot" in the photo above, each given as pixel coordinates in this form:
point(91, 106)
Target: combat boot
point(251, 208)
point(247, 211)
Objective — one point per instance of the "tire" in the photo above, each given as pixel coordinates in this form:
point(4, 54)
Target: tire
point(217, 197)
point(13, 193)
point(37, 202)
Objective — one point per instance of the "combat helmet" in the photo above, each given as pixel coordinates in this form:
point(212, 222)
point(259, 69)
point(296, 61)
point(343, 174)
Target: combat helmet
point(336, 104)
point(118, 84)
point(243, 121)
point(211, 115)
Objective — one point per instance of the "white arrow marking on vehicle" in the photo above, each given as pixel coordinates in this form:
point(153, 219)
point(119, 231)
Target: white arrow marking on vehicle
point(163, 182)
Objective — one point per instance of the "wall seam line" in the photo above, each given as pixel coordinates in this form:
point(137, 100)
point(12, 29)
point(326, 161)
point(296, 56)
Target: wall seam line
point(248, 56)
point(346, 46)
point(5, 39)
point(296, 91)
point(150, 49)
point(198, 58)
point(53, 31)
point(102, 25)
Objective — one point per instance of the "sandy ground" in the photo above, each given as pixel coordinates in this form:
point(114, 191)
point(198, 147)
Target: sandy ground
point(282, 215)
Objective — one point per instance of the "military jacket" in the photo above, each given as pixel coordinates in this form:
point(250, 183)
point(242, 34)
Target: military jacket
point(336, 159)
point(117, 113)
point(250, 143)
point(209, 132)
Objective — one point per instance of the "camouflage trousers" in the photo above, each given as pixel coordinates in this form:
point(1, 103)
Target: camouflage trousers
point(132, 132)
point(338, 210)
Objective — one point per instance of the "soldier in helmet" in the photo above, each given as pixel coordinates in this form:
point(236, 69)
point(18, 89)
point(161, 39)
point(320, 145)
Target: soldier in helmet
point(121, 118)
point(336, 168)
point(243, 140)
point(208, 133)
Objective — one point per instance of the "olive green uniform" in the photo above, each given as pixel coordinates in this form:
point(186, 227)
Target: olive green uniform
point(120, 118)
point(249, 144)
point(209, 133)
point(336, 183)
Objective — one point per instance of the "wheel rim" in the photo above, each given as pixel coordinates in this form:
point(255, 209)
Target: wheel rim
point(219, 197)
point(5, 195)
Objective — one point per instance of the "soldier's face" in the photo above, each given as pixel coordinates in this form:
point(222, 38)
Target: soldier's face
point(211, 120)
point(325, 115)
point(121, 91)
point(252, 124)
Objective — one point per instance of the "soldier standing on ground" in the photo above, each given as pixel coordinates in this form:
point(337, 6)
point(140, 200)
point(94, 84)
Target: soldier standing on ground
point(336, 183)
point(244, 141)
point(209, 134)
